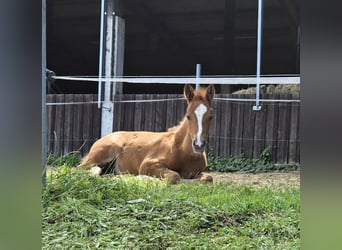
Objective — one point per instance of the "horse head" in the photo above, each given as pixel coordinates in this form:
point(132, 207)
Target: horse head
point(199, 113)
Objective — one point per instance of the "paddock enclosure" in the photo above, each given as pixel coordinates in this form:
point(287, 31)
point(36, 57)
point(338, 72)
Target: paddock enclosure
point(74, 122)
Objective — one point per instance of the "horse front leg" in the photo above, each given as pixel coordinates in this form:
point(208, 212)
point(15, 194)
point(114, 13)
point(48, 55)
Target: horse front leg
point(153, 167)
point(204, 178)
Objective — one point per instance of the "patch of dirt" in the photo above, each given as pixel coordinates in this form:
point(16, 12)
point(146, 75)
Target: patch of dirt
point(286, 179)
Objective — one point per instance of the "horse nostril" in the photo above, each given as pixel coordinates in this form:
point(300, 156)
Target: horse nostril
point(199, 146)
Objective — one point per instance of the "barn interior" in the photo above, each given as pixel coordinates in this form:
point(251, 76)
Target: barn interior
point(168, 38)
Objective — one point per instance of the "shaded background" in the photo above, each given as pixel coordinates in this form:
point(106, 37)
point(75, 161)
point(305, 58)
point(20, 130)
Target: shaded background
point(170, 37)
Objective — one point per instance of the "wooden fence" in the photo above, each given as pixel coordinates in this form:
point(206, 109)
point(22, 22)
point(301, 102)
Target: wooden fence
point(235, 130)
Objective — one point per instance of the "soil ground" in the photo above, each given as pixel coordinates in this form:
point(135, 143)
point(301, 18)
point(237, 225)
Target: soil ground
point(280, 179)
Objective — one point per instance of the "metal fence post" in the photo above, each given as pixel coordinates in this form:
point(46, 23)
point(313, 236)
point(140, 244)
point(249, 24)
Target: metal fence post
point(100, 55)
point(43, 96)
point(198, 75)
point(257, 106)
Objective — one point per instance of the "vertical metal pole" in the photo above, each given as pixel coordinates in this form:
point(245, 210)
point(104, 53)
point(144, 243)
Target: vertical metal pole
point(257, 106)
point(198, 75)
point(118, 55)
point(43, 92)
point(108, 105)
point(298, 50)
point(115, 61)
point(100, 55)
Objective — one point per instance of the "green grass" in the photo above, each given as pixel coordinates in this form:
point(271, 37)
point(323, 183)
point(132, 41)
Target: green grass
point(70, 159)
point(85, 212)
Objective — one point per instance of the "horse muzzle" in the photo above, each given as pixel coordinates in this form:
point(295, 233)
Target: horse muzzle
point(199, 147)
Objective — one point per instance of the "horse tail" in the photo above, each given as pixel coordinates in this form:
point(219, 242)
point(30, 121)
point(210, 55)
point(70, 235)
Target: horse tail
point(85, 164)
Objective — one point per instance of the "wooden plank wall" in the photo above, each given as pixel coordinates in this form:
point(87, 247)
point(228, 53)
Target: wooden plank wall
point(72, 127)
point(235, 130)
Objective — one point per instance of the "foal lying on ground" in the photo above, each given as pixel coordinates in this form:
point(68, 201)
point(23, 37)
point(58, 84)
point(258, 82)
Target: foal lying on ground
point(178, 153)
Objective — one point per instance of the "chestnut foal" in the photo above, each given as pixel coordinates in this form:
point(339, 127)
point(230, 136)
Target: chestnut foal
point(172, 155)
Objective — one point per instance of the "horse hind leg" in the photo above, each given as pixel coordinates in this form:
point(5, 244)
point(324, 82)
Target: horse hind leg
point(96, 170)
point(85, 164)
point(110, 168)
point(102, 157)
point(105, 165)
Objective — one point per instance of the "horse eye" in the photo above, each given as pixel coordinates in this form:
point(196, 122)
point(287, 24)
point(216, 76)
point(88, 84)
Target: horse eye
point(211, 117)
point(188, 117)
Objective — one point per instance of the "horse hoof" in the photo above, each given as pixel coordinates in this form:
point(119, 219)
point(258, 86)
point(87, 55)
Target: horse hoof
point(95, 171)
point(172, 178)
point(206, 179)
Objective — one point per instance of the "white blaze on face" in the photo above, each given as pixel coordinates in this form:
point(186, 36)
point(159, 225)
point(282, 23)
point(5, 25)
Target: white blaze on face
point(199, 112)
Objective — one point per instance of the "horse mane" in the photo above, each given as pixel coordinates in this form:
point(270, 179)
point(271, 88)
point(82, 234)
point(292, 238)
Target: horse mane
point(175, 128)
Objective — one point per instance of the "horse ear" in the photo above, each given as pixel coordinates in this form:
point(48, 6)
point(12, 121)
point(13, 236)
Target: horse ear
point(188, 92)
point(210, 92)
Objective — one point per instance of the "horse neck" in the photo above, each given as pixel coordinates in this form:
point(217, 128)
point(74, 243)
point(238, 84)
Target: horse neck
point(182, 136)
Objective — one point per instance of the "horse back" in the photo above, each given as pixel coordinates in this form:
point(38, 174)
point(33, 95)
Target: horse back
point(135, 147)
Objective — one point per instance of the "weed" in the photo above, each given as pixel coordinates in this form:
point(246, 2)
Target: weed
point(70, 159)
point(247, 165)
